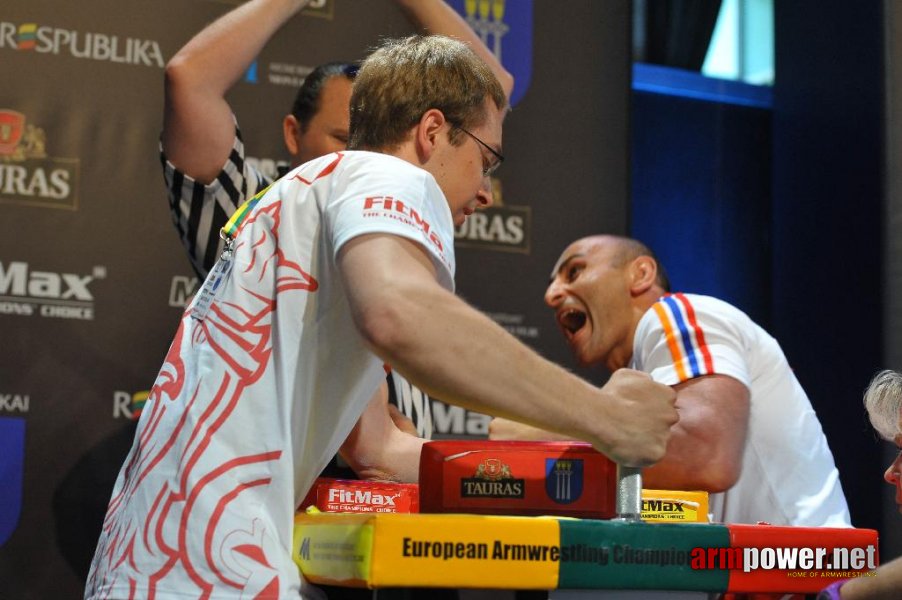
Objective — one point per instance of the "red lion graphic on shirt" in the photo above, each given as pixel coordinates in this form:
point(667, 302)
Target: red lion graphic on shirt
point(173, 482)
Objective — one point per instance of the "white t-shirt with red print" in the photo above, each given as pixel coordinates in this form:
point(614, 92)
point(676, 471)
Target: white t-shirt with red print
point(265, 378)
point(788, 473)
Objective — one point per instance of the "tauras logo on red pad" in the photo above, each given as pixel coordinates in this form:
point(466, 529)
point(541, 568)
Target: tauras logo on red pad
point(493, 479)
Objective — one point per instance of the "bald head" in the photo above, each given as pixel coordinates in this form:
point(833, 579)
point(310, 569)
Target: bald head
point(618, 250)
point(599, 290)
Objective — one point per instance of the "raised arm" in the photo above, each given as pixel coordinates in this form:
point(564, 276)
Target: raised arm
point(198, 129)
point(435, 16)
point(454, 352)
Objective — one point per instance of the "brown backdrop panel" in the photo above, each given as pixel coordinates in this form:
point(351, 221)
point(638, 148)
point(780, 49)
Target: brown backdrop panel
point(84, 248)
point(93, 277)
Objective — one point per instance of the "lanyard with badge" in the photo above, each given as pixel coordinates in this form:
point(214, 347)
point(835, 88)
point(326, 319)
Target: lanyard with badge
point(223, 266)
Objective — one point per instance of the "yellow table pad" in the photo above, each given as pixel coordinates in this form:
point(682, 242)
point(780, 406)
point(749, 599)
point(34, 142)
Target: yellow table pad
point(417, 550)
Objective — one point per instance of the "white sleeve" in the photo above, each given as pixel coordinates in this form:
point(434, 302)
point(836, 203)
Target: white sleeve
point(683, 337)
point(389, 196)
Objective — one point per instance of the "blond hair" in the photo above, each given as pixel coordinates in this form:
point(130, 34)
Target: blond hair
point(406, 77)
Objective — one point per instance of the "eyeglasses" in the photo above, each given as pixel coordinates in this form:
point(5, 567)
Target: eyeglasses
point(489, 170)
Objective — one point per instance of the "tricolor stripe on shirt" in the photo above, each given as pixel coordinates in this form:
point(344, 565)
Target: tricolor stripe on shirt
point(685, 338)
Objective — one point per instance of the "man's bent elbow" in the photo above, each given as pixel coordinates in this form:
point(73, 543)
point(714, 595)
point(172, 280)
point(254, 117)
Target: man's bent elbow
point(383, 327)
point(688, 475)
point(719, 478)
point(178, 75)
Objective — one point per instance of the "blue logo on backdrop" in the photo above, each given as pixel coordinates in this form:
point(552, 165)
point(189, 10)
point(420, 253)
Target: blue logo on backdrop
point(505, 27)
point(12, 458)
point(564, 479)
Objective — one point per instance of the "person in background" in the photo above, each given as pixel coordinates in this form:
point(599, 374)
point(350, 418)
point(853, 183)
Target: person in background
point(344, 264)
point(883, 402)
point(745, 424)
point(208, 175)
point(203, 155)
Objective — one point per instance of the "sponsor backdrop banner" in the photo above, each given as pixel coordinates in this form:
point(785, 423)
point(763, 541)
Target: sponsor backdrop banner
point(93, 278)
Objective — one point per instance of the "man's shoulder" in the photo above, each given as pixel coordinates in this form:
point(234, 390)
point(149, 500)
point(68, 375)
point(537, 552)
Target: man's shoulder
point(688, 304)
point(681, 313)
point(691, 298)
point(363, 162)
point(384, 161)
point(690, 335)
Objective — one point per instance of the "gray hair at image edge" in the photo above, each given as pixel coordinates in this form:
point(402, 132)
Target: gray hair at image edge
point(883, 401)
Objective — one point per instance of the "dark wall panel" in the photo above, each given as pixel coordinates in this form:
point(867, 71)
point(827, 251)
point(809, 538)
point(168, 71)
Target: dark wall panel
point(828, 199)
point(701, 196)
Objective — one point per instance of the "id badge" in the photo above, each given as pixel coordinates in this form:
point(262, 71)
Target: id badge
point(212, 284)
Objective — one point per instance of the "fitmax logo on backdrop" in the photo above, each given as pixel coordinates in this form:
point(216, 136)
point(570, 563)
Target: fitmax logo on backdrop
point(26, 292)
point(44, 39)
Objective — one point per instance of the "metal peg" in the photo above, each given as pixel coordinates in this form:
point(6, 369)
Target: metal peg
point(629, 493)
